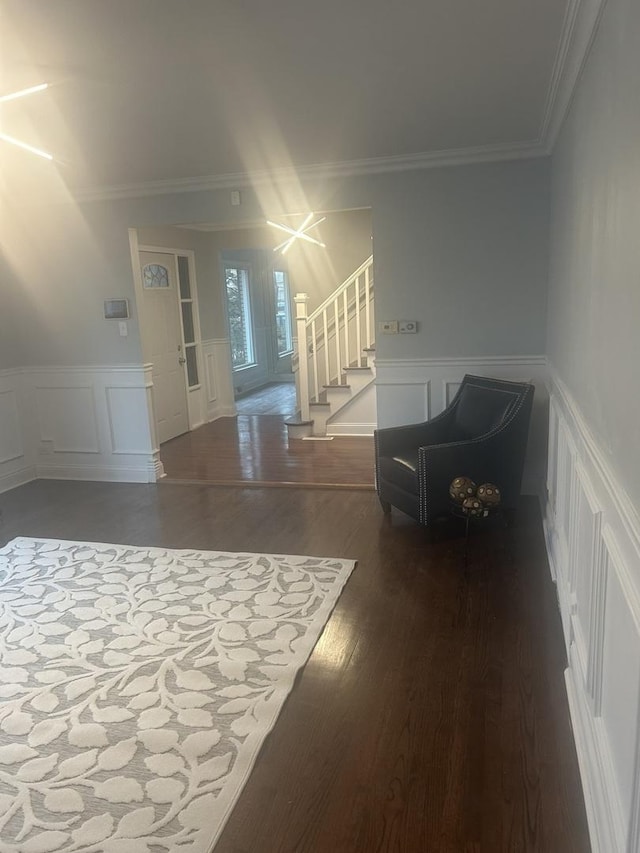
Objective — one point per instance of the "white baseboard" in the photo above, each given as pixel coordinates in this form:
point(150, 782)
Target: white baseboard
point(100, 473)
point(17, 478)
point(350, 429)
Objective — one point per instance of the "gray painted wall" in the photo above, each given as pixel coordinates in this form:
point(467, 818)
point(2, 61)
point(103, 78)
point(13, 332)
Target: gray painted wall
point(461, 250)
point(594, 296)
point(313, 270)
point(464, 252)
point(11, 339)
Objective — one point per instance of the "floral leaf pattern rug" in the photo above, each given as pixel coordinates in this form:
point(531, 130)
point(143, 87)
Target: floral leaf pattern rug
point(138, 684)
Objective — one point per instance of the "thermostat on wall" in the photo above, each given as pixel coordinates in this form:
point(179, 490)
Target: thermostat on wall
point(116, 309)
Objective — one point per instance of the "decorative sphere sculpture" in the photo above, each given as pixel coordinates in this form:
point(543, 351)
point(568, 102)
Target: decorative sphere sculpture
point(473, 507)
point(489, 494)
point(461, 488)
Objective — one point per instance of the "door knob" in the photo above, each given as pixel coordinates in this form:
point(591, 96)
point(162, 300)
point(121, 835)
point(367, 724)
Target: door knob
point(182, 360)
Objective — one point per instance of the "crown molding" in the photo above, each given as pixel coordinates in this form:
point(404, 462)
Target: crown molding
point(581, 23)
point(319, 171)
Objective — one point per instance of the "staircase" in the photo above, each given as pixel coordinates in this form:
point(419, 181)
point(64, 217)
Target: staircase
point(334, 357)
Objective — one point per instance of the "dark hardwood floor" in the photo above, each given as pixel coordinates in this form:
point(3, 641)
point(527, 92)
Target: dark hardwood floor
point(255, 450)
point(279, 398)
point(432, 715)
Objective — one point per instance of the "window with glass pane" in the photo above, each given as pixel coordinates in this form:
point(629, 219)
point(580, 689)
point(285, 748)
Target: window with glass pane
point(188, 307)
point(283, 312)
point(192, 366)
point(239, 311)
point(155, 275)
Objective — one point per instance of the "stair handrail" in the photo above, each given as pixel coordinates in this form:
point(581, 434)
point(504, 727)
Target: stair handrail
point(339, 290)
point(310, 372)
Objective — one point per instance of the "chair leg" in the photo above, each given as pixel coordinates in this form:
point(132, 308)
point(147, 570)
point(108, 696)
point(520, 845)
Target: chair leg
point(386, 506)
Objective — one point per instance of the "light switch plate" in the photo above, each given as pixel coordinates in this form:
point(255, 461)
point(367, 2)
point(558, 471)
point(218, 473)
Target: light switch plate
point(388, 327)
point(407, 327)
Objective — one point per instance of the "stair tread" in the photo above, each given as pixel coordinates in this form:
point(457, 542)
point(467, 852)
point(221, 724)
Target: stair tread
point(297, 422)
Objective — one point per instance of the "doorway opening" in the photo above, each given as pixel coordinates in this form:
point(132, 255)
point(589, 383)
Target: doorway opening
point(228, 346)
point(258, 303)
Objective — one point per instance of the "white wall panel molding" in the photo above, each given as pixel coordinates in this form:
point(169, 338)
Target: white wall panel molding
point(218, 379)
point(90, 422)
point(16, 430)
point(592, 533)
point(11, 446)
point(596, 460)
point(67, 417)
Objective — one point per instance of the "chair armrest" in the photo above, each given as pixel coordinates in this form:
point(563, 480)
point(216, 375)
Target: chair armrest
point(390, 440)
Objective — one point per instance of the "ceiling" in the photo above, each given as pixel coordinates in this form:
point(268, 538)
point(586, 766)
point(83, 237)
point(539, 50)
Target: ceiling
point(167, 90)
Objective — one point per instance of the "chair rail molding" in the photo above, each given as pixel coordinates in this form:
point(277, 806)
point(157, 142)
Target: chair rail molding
point(592, 532)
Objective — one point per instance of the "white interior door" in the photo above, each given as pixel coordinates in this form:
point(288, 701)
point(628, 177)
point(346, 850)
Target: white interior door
point(162, 324)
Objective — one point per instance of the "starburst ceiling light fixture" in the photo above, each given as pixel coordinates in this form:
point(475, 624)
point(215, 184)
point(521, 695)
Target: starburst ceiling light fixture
point(12, 97)
point(300, 233)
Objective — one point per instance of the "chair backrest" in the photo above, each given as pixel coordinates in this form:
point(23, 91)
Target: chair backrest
point(482, 405)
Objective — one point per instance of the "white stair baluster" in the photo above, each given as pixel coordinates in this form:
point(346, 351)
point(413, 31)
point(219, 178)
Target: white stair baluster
point(347, 355)
point(358, 332)
point(314, 353)
point(337, 337)
point(367, 307)
point(326, 345)
point(300, 300)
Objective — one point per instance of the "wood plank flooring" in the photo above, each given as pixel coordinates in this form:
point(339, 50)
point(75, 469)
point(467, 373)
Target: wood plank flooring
point(432, 715)
point(255, 450)
point(276, 399)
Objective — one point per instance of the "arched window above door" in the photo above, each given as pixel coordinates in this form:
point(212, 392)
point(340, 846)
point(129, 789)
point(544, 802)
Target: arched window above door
point(155, 275)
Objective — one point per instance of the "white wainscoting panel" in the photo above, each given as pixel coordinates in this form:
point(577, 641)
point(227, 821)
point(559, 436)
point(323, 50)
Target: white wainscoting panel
point(93, 423)
point(593, 541)
point(11, 446)
point(67, 418)
point(16, 455)
point(128, 421)
point(414, 390)
point(218, 378)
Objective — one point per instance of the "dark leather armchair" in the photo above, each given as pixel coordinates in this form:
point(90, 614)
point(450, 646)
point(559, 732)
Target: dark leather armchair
point(482, 434)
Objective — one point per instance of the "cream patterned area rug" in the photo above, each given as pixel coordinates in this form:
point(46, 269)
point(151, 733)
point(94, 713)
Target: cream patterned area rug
point(138, 684)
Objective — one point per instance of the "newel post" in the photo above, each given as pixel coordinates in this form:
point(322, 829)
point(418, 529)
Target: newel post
point(300, 300)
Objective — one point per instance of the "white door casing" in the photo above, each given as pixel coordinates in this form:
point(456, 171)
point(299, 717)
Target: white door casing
point(162, 322)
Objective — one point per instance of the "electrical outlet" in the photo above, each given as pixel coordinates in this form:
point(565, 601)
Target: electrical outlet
point(407, 327)
point(388, 327)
